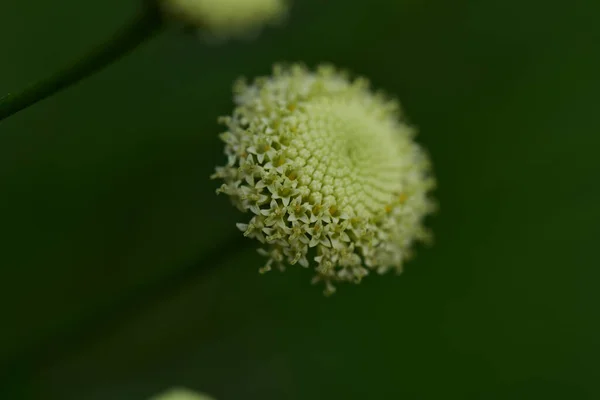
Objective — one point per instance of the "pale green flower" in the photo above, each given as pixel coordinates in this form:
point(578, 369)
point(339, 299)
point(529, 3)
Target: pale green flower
point(180, 394)
point(224, 18)
point(329, 172)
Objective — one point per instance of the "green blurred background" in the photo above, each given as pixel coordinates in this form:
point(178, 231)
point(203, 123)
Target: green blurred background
point(104, 191)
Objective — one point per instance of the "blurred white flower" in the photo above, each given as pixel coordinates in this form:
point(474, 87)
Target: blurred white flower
point(180, 394)
point(225, 18)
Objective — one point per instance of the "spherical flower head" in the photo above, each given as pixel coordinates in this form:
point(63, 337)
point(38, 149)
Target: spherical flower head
point(328, 171)
point(225, 18)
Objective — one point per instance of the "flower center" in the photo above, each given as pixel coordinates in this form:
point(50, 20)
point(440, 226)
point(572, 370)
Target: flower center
point(354, 155)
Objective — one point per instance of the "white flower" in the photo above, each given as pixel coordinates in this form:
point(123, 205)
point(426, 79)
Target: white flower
point(224, 18)
point(330, 172)
point(181, 394)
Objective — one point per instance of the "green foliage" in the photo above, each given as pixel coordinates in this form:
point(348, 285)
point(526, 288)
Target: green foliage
point(104, 190)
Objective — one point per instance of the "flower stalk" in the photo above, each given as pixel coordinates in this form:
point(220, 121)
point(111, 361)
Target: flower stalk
point(145, 25)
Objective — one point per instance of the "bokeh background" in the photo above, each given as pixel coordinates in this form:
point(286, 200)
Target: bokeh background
point(104, 193)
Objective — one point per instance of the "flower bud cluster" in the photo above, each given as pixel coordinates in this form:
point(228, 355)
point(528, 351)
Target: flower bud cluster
point(329, 172)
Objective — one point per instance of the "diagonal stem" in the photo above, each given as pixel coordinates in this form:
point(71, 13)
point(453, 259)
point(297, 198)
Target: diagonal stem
point(145, 25)
point(94, 326)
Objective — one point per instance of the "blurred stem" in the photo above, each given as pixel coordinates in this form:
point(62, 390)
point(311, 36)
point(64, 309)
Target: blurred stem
point(145, 25)
point(98, 325)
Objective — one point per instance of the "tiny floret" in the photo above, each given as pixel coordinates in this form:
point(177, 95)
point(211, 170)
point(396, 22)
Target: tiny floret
point(225, 18)
point(329, 172)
